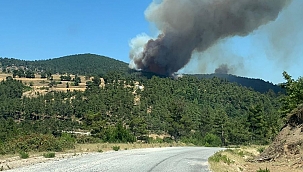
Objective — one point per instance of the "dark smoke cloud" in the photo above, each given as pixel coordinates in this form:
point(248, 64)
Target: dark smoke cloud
point(195, 25)
point(223, 69)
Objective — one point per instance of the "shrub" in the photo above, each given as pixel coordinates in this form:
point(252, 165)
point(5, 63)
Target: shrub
point(49, 155)
point(240, 153)
point(37, 142)
point(115, 134)
point(212, 140)
point(217, 157)
point(168, 140)
point(87, 139)
point(261, 170)
point(236, 152)
point(156, 140)
point(116, 148)
point(261, 149)
point(24, 155)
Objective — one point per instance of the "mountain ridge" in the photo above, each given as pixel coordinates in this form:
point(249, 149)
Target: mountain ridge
point(93, 64)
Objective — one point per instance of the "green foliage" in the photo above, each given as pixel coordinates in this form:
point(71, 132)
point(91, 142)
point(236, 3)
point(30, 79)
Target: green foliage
point(114, 134)
point(65, 77)
point(263, 170)
point(77, 80)
point(206, 112)
point(116, 148)
point(11, 89)
point(20, 73)
point(81, 64)
point(212, 140)
point(261, 149)
point(43, 74)
point(238, 152)
point(218, 156)
point(294, 93)
point(23, 155)
point(49, 155)
point(157, 140)
point(29, 74)
point(35, 142)
point(256, 84)
point(87, 139)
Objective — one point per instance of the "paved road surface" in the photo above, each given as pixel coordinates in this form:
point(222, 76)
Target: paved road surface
point(179, 159)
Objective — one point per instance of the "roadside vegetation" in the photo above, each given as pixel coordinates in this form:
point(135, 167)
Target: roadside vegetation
point(49, 155)
point(285, 153)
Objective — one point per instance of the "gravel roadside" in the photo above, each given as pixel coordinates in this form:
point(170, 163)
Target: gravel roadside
point(151, 159)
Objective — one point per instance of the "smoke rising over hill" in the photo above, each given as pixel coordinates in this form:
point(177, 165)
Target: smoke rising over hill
point(187, 26)
point(223, 69)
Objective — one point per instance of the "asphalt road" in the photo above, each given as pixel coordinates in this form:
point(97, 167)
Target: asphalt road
point(175, 159)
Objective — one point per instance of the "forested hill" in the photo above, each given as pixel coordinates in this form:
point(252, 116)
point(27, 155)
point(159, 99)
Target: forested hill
point(92, 64)
point(82, 64)
point(209, 112)
point(256, 84)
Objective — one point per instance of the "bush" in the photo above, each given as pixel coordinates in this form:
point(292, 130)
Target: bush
point(261, 149)
point(115, 134)
point(37, 142)
point(168, 140)
point(24, 155)
point(195, 138)
point(87, 139)
point(212, 140)
point(157, 140)
point(217, 157)
point(261, 170)
point(49, 155)
point(116, 148)
point(236, 152)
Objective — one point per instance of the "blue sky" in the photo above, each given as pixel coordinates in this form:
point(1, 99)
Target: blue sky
point(44, 29)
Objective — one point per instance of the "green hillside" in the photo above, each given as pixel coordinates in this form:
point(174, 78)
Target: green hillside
point(256, 84)
point(209, 112)
point(91, 64)
point(131, 105)
point(82, 64)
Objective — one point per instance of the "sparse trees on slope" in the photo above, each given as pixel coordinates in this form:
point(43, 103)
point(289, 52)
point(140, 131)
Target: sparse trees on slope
point(294, 91)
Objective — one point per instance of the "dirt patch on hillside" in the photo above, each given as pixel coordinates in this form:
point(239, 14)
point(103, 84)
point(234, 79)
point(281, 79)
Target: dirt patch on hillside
point(288, 145)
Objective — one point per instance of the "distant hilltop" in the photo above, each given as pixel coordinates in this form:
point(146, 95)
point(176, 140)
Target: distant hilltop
point(92, 64)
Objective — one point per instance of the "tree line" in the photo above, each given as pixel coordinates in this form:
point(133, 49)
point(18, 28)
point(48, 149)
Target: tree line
point(209, 112)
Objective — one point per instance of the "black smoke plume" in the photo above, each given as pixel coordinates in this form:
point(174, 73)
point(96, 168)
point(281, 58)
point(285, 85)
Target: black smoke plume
point(195, 25)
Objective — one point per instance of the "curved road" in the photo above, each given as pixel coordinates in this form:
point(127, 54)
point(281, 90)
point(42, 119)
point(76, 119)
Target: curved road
point(177, 159)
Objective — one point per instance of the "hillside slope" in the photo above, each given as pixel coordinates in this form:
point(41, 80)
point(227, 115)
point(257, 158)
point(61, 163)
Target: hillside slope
point(92, 64)
point(83, 64)
point(256, 84)
point(288, 145)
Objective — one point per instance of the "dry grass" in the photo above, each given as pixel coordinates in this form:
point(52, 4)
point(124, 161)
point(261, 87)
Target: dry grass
point(38, 83)
point(241, 161)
